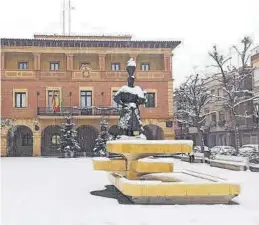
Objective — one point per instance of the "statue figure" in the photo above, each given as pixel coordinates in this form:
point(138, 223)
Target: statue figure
point(129, 97)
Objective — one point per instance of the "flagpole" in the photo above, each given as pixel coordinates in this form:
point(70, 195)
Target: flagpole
point(69, 17)
point(64, 18)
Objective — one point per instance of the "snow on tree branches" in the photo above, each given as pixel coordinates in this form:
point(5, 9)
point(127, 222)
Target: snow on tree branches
point(236, 82)
point(103, 137)
point(68, 143)
point(192, 96)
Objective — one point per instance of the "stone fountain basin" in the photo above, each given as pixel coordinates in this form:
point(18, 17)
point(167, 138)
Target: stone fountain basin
point(183, 187)
point(149, 146)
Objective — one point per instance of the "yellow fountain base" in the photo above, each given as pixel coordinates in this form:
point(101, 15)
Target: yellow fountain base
point(152, 181)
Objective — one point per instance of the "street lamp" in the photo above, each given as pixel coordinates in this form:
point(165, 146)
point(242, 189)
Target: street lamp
point(70, 98)
point(37, 93)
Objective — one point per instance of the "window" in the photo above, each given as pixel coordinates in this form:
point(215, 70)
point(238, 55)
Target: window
point(55, 139)
point(27, 140)
point(212, 92)
point(115, 66)
point(145, 67)
point(221, 116)
point(85, 98)
point(20, 99)
point(22, 65)
point(219, 93)
point(150, 100)
point(54, 66)
point(214, 117)
point(114, 104)
point(53, 98)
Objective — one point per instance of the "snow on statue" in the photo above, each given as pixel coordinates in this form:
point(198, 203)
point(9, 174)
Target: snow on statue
point(130, 97)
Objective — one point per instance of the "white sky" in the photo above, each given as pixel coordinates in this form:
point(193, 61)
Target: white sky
point(197, 23)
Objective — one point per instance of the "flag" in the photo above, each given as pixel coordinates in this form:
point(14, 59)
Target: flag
point(53, 102)
point(57, 104)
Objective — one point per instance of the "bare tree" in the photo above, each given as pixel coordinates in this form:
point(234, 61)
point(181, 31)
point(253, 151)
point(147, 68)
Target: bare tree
point(237, 93)
point(193, 96)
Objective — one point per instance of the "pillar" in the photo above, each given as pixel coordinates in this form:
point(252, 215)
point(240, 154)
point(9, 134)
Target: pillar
point(3, 143)
point(70, 62)
point(36, 59)
point(36, 143)
point(102, 62)
point(2, 65)
point(167, 63)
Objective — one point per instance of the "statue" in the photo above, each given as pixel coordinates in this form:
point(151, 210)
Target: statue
point(129, 97)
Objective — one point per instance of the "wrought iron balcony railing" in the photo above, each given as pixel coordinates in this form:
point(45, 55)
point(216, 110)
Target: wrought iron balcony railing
point(78, 111)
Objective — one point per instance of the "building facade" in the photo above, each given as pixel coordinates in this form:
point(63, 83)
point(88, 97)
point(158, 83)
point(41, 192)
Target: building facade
point(44, 77)
point(216, 127)
point(255, 64)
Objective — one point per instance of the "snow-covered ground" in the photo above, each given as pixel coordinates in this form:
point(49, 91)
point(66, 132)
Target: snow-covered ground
point(48, 191)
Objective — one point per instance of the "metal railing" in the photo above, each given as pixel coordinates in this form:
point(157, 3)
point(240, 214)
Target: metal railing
point(78, 111)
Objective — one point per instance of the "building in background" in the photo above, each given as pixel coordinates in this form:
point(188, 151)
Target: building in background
point(43, 77)
point(255, 63)
point(216, 128)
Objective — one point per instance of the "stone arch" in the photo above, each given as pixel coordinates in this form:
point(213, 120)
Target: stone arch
point(153, 132)
point(86, 136)
point(20, 141)
point(50, 141)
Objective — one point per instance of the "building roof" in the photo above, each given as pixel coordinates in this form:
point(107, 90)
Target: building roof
point(82, 37)
point(91, 43)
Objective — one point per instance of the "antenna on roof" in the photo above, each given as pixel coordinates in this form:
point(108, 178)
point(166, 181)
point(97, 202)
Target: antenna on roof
point(69, 16)
point(64, 17)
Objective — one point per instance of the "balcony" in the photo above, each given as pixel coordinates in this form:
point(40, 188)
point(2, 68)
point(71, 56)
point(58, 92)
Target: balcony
point(78, 111)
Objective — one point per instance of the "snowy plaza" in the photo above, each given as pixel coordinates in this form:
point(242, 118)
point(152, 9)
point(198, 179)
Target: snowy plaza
point(46, 191)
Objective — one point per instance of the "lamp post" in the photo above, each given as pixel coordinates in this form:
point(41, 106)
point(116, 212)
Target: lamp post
point(37, 93)
point(70, 98)
point(256, 119)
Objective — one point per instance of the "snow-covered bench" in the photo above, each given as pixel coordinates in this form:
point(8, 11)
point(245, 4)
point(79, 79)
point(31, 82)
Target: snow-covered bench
point(230, 162)
point(198, 158)
point(254, 167)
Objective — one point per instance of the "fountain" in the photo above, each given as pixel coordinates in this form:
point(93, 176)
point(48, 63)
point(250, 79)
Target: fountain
point(148, 180)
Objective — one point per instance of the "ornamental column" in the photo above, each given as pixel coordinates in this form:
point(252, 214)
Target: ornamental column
point(36, 143)
point(102, 65)
point(2, 65)
point(70, 62)
point(167, 63)
point(36, 60)
point(4, 137)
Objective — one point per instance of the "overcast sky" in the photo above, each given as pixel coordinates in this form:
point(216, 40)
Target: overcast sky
point(197, 23)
